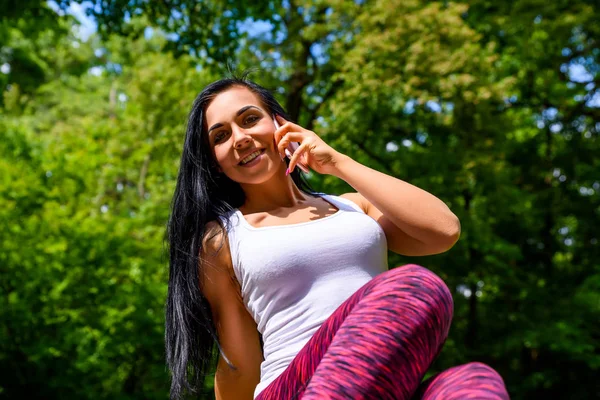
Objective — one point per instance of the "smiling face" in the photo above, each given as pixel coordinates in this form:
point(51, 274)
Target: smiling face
point(239, 129)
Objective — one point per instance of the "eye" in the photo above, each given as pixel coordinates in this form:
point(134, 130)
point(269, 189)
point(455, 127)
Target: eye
point(251, 119)
point(219, 136)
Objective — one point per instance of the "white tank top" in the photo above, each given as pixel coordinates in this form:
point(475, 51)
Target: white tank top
point(293, 277)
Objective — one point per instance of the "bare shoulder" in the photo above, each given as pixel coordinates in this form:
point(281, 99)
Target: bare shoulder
point(216, 266)
point(214, 237)
point(357, 199)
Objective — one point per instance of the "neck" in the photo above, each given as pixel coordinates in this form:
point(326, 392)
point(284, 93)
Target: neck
point(278, 192)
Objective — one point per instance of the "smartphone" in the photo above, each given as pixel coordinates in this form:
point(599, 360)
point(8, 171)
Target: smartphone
point(291, 148)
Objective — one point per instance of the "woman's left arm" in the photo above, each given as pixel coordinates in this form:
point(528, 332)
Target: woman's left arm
point(415, 222)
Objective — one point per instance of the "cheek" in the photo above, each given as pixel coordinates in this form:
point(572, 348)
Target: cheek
point(220, 156)
point(264, 129)
point(264, 135)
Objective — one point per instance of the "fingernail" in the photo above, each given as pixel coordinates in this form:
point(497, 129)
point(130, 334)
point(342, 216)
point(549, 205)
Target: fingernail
point(287, 171)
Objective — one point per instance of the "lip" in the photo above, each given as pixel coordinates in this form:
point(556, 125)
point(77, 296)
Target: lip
point(250, 152)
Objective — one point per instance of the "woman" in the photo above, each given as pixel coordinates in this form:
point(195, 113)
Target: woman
point(293, 285)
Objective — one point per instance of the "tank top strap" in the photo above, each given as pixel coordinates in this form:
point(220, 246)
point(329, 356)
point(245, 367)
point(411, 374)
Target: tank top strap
point(231, 221)
point(341, 203)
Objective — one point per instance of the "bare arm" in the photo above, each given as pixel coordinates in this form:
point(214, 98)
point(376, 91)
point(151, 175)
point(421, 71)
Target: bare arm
point(236, 328)
point(415, 222)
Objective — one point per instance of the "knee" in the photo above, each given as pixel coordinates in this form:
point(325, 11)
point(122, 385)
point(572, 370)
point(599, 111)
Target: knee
point(421, 284)
point(478, 371)
point(420, 280)
point(472, 380)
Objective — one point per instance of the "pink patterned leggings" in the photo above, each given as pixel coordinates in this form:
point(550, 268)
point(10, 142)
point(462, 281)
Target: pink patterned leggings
point(379, 344)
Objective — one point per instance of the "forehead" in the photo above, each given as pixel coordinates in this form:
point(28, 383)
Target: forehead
point(227, 103)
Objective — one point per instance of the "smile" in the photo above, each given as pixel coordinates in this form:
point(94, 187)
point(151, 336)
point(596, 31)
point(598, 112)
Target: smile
point(251, 157)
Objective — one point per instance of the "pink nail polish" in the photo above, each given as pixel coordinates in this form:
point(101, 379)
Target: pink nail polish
point(287, 171)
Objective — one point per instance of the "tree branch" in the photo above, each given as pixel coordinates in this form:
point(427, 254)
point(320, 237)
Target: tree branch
point(328, 94)
point(374, 156)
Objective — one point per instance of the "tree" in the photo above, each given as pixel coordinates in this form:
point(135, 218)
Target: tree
point(88, 168)
point(492, 107)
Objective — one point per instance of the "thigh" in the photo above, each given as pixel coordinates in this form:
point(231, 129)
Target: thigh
point(292, 382)
point(386, 344)
point(375, 300)
point(469, 381)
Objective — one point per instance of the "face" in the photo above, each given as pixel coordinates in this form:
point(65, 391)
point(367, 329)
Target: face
point(239, 127)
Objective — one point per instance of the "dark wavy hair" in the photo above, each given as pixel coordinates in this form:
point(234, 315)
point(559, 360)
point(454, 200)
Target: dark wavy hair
point(202, 195)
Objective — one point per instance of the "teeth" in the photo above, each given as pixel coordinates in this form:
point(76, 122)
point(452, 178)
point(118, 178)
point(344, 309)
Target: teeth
point(250, 157)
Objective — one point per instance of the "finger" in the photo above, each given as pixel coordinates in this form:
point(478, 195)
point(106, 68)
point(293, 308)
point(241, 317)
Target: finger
point(287, 138)
point(275, 147)
point(280, 142)
point(300, 163)
point(280, 119)
point(284, 127)
point(297, 154)
point(279, 135)
point(280, 149)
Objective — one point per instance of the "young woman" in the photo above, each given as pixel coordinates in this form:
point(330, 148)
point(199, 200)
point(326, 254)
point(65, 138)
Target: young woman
point(293, 286)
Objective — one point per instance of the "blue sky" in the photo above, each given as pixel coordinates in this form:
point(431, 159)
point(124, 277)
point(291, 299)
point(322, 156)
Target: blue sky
point(88, 25)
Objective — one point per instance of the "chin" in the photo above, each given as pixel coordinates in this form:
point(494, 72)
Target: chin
point(254, 178)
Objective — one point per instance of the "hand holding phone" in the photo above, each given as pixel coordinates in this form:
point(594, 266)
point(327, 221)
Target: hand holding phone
point(291, 148)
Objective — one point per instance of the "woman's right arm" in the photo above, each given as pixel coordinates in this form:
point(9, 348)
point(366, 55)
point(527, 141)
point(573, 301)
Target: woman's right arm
point(236, 329)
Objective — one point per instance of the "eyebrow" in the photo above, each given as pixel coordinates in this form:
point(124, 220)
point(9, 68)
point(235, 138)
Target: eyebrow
point(240, 112)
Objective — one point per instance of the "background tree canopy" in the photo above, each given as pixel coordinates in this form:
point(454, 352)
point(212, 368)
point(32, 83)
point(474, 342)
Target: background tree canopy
point(492, 106)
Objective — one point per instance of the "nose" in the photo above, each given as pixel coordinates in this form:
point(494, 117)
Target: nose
point(240, 137)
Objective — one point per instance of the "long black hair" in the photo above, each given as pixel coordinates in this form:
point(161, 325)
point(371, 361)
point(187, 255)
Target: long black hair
point(202, 195)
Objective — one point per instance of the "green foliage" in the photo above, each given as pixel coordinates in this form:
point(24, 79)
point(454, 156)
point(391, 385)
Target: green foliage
point(476, 102)
point(85, 190)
